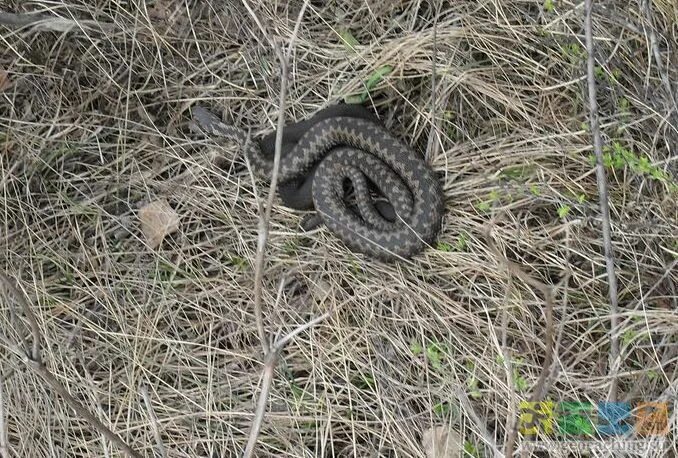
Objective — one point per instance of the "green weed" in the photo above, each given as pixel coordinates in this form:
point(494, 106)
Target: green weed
point(618, 157)
point(377, 76)
point(573, 52)
point(444, 246)
point(348, 40)
point(563, 210)
point(470, 449)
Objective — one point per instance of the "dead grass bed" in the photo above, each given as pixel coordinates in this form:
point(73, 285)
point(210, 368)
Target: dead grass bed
point(161, 344)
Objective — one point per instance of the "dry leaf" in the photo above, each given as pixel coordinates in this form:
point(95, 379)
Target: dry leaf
point(442, 442)
point(157, 220)
point(5, 83)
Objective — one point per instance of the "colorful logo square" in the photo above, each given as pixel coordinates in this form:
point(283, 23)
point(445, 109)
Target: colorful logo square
point(614, 418)
point(575, 418)
point(652, 418)
point(536, 417)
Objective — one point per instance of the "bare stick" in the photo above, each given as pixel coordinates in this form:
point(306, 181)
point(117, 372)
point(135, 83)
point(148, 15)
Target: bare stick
point(40, 368)
point(271, 355)
point(547, 292)
point(19, 297)
point(153, 421)
point(646, 5)
point(265, 219)
point(267, 379)
point(257, 21)
point(433, 140)
point(51, 23)
point(604, 205)
point(4, 443)
point(33, 360)
point(484, 433)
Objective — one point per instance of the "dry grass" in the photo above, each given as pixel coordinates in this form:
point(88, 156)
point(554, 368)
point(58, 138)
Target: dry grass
point(163, 343)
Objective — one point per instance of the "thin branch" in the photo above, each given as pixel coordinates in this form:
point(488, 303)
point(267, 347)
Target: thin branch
point(153, 420)
point(42, 22)
point(604, 204)
point(34, 361)
point(465, 404)
point(271, 354)
point(40, 368)
point(267, 379)
point(4, 442)
point(646, 5)
point(265, 219)
point(547, 292)
point(33, 322)
point(433, 139)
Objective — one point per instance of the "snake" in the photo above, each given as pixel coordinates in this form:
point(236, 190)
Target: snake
point(366, 186)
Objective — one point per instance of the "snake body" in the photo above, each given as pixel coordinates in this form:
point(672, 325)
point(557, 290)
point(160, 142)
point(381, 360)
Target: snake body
point(346, 144)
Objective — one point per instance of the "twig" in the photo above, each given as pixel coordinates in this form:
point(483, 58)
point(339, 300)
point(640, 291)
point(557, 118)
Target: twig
point(465, 403)
point(20, 298)
point(270, 354)
point(267, 379)
point(42, 22)
point(265, 219)
point(257, 21)
point(646, 5)
point(4, 443)
point(604, 204)
point(153, 419)
point(547, 292)
point(33, 360)
point(433, 138)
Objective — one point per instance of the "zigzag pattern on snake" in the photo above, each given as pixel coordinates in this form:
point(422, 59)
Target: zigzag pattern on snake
point(396, 206)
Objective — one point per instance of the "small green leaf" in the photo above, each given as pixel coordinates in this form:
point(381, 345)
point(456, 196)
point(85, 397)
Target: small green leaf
point(416, 348)
point(297, 392)
point(238, 262)
point(520, 172)
point(534, 190)
point(290, 247)
point(628, 336)
point(624, 105)
point(563, 210)
point(616, 74)
point(573, 52)
point(581, 198)
point(521, 383)
point(433, 353)
point(348, 39)
point(365, 382)
point(444, 246)
point(377, 76)
point(370, 84)
point(548, 5)
point(462, 242)
point(441, 408)
point(599, 72)
point(483, 206)
point(470, 449)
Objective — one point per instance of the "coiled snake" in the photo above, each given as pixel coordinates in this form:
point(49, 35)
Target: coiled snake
point(397, 203)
